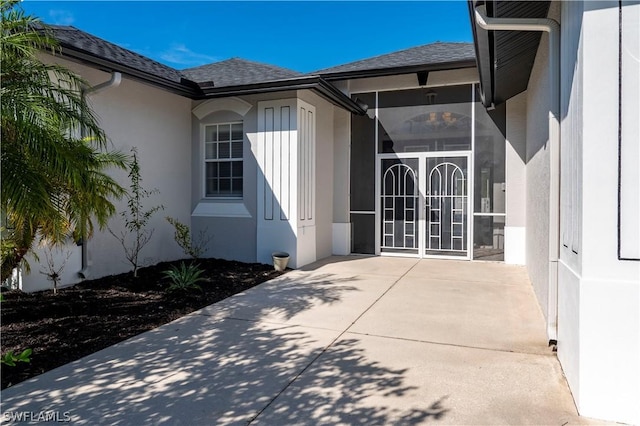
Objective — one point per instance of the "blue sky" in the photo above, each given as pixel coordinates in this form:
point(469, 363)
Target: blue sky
point(303, 36)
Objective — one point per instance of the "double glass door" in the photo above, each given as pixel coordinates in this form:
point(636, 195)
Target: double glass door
point(424, 205)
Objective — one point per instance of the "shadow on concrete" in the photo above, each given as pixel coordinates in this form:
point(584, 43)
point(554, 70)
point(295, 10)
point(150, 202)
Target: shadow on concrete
point(202, 369)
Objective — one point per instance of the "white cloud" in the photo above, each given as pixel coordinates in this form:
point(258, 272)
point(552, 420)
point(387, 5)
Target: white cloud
point(61, 17)
point(180, 54)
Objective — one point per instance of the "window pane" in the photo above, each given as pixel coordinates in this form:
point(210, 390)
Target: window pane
point(224, 132)
point(212, 170)
point(225, 186)
point(236, 150)
point(223, 176)
point(236, 131)
point(212, 187)
point(225, 169)
point(237, 186)
point(210, 133)
point(223, 150)
point(237, 169)
point(210, 151)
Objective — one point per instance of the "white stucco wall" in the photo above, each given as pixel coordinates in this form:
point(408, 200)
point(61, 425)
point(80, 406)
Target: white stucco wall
point(569, 264)
point(629, 131)
point(537, 176)
point(516, 179)
point(158, 124)
point(599, 294)
point(341, 160)
point(67, 259)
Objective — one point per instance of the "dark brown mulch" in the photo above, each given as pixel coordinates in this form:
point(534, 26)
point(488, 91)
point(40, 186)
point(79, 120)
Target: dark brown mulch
point(96, 314)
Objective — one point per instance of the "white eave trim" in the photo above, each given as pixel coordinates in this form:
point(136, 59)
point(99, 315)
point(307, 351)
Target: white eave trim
point(234, 104)
point(214, 208)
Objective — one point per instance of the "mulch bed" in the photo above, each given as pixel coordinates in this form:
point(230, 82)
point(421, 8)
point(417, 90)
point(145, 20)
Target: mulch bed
point(96, 314)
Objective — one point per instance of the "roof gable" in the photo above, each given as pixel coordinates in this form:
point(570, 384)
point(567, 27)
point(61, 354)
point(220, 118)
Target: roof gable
point(426, 55)
point(238, 72)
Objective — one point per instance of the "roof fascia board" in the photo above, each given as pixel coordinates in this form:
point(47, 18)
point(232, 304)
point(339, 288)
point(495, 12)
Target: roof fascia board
point(315, 83)
point(335, 96)
point(185, 88)
point(383, 72)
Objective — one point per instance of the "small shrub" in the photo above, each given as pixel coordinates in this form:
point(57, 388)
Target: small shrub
point(10, 358)
point(136, 217)
point(193, 247)
point(53, 272)
point(184, 278)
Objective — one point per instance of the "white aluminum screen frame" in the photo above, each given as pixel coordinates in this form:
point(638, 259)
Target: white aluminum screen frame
point(422, 185)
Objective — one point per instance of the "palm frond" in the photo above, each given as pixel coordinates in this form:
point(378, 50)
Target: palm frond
point(55, 157)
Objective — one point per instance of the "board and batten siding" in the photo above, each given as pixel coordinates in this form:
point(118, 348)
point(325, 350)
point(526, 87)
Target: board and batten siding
point(276, 151)
point(286, 180)
point(306, 165)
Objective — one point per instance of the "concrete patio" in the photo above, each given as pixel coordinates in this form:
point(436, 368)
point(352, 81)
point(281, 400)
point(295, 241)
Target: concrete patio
point(348, 340)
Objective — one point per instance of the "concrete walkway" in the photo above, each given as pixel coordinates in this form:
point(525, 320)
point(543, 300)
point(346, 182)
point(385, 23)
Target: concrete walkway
point(348, 340)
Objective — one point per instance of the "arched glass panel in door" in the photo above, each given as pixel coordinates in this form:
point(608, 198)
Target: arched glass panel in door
point(446, 206)
point(399, 201)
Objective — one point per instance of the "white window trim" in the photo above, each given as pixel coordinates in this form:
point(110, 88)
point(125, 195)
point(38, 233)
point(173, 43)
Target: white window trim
point(233, 104)
point(232, 207)
point(222, 208)
point(204, 160)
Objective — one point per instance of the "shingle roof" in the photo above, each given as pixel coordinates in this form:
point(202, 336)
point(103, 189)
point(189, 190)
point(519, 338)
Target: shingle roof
point(92, 45)
point(237, 72)
point(428, 54)
point(239, 76)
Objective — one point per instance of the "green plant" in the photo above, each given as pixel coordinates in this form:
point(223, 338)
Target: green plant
point(10, 358)
point(193, 247)
point(8, 253)
point(53, 271)
point(136, 218)
point(55, 156)
point(185, 277)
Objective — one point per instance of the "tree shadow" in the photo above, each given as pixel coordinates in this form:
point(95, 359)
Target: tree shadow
point(226, 364)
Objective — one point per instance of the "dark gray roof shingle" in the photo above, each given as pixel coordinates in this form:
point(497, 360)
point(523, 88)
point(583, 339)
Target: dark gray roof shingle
point(80, 40)
point(237, 72)
point(241, 72)
point(428, 54)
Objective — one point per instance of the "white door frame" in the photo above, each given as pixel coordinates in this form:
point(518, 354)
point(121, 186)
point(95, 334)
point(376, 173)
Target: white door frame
point(422, 185)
